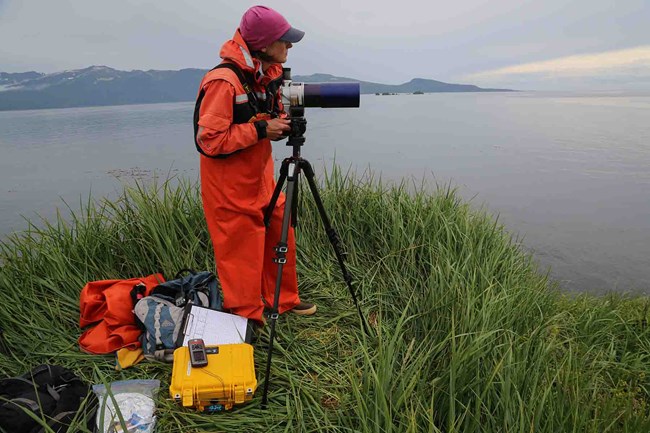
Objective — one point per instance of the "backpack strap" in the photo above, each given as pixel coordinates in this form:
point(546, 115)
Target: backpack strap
point(72, 392)
point(20, 380)
point(32, 404)
point(31, 375)
point(20, 385)
point(180, 273)
point(164, 355)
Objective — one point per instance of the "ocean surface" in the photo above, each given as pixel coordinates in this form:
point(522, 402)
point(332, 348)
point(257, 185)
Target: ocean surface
point(567, 173)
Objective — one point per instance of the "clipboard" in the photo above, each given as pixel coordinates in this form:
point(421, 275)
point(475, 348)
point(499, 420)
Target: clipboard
point(214, 327)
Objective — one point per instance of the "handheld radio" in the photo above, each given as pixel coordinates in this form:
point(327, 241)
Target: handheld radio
point(198, 357)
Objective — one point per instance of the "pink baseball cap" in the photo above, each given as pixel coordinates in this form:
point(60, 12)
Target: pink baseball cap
point(261, 26)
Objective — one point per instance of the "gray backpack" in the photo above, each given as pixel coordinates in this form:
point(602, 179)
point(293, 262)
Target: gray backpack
point(161, 314)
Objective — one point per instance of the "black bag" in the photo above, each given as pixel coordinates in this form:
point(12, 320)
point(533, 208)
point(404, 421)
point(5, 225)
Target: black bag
point(197, 287)
point(49, 392)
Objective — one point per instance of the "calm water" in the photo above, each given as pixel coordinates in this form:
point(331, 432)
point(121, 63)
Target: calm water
point(568, 173)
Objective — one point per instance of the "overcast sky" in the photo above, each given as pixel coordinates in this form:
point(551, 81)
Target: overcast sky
point(540, 44)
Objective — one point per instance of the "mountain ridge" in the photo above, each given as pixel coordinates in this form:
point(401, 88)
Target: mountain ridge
point(102, 85)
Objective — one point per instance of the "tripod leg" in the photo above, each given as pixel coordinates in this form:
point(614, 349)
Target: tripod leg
point(333, 237)
point(280, 258)
point(294, 202)
point(276, 191)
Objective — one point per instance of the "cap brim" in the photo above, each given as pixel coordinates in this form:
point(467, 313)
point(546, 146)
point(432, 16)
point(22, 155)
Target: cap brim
point(292, 35)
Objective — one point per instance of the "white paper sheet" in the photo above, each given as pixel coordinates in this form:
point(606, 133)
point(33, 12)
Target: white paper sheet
point(214, 327)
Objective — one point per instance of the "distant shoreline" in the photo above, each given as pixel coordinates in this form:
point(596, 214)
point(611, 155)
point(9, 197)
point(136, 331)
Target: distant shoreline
point(99, 86)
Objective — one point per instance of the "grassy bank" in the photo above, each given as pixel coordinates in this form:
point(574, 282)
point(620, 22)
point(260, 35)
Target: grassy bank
point(468, 337)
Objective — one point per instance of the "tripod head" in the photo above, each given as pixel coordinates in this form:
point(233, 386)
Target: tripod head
point(297, 133)
point(298, 129)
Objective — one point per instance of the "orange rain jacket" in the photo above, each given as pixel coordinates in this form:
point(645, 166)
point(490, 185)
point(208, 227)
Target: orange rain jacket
point(236, 189)
point(106, 308)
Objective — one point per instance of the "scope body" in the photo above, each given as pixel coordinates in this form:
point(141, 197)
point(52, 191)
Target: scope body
point(296, 95)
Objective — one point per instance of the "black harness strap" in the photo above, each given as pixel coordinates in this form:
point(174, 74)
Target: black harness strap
point(245, 82)
point(242, 114)
point(273, 103)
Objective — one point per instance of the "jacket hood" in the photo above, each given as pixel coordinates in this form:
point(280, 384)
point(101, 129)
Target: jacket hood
point(235, 50)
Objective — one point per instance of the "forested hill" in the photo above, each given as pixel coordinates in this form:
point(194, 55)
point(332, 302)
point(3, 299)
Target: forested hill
point(101, 85)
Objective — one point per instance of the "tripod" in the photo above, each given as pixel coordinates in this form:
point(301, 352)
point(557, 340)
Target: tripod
point(290, 172)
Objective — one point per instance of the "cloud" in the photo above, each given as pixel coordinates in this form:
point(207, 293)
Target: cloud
point(630, 62)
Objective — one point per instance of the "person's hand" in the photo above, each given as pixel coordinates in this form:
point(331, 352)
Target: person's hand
point(275, 128)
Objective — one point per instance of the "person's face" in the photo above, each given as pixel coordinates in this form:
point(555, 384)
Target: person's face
point(277, 51)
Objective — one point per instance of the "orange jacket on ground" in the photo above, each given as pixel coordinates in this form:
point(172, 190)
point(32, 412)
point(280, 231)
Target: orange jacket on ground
point(106, 306)
point(236, 190)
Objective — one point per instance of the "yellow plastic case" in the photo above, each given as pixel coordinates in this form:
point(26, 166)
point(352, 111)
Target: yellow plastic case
point(228, 379)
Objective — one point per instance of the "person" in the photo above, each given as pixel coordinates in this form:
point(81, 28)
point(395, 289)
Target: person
point(238, 112)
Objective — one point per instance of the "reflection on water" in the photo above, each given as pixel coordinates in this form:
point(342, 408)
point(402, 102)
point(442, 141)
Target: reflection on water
point(567, 173)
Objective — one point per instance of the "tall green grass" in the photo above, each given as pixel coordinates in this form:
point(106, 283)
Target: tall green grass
point(467, 335)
